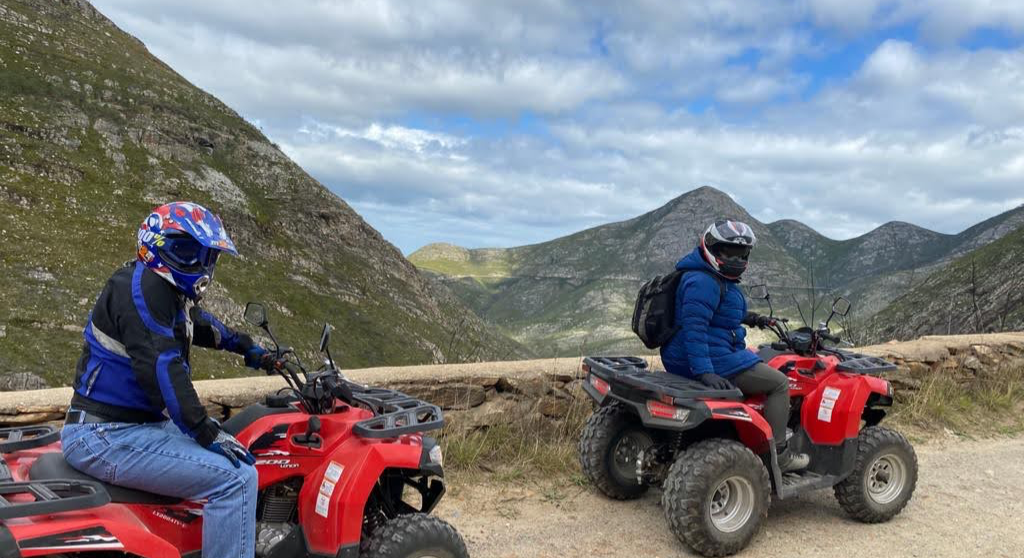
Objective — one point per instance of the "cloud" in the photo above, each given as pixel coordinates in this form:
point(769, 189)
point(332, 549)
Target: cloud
point(486, 123)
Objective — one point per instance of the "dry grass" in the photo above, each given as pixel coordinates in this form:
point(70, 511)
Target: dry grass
point(991, 403)
point(525, 445)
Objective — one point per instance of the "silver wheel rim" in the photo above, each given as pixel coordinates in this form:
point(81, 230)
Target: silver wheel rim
point(731, 504)
point(886, 478)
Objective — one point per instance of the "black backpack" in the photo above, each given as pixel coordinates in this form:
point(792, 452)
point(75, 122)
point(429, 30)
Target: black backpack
point(654, 316)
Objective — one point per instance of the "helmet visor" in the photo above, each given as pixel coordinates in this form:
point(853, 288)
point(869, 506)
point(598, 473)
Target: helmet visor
point(733, 251)
point(187, 255)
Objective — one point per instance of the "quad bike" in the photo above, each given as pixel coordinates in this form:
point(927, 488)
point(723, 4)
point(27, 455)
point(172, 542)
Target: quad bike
point(712, 451)
point(337, 463)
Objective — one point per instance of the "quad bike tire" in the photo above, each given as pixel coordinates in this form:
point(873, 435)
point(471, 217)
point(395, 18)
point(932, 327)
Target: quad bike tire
point(416, 535)
point(606, 451)
point(883, 479)
point(716, 497)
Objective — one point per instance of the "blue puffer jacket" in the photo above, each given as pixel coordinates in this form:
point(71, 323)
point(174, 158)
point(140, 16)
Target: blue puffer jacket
point(711, 338)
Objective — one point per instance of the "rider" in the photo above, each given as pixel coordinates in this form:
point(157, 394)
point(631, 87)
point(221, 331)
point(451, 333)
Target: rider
point(709, 345)
point(134, 375)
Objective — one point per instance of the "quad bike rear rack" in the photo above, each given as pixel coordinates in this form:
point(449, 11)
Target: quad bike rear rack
point(49, 497)
point(632, 373)
point(398, 414)
point(27, 437)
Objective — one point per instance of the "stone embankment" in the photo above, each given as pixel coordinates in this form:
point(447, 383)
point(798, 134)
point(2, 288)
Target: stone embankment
point(482, 394)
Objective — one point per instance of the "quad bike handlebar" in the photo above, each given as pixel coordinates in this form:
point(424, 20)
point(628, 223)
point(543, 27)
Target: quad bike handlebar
point(394, 413)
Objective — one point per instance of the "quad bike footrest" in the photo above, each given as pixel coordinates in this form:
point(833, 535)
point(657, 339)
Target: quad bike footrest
point(27, 437)
point(23, 499)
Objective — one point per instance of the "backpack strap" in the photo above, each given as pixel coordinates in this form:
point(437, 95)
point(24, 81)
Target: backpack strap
point(721, 284)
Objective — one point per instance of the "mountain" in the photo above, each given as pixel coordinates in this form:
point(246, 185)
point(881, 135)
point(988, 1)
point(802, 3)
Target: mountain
point(95, 132)
point(575, 293)
point(980, 291)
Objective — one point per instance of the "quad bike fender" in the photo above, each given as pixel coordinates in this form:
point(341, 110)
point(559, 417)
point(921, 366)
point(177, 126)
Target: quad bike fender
point(753, 430)
point(83, 533)
point(832, 413)
point(332, 500)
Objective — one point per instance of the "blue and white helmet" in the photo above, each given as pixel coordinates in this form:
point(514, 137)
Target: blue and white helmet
point(181, 241)
point(726, 246)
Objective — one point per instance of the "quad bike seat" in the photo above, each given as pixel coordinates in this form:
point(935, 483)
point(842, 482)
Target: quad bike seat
point(51, 466)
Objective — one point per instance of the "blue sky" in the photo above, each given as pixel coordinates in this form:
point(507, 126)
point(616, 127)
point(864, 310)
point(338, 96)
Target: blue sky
point(507, 123)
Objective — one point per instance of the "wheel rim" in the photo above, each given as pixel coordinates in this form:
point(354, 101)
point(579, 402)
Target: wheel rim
point(625, 454)
point(886, 478)
point(732, 504)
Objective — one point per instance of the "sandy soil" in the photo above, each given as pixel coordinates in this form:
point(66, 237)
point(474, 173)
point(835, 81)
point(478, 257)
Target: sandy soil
point(969, 502)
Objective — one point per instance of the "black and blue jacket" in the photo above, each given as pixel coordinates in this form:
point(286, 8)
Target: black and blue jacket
point(135, 361)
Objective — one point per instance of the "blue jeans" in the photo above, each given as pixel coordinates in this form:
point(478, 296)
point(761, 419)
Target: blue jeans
point(159, 458)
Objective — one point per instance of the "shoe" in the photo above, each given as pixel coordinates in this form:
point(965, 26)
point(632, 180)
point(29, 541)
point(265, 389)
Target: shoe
point(789, 461)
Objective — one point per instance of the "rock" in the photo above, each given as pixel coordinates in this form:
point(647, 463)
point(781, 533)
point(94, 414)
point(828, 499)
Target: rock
point(21, 381)
point(29, 418)
point(554, 407)
point(456, 396)
point(972, 363)
point(3, 331)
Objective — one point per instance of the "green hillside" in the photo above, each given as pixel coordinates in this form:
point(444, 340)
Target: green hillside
point(95, 132)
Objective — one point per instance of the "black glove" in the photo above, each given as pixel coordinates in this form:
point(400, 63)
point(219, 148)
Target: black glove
point(764, 321)
point(715, 381)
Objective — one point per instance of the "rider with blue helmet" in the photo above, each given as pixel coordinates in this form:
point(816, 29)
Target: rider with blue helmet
point(135, 419)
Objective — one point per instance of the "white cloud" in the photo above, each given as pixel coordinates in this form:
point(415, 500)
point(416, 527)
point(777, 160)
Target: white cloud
point(364, 96)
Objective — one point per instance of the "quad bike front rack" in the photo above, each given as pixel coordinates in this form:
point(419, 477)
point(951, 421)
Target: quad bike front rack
point(398, 414)
point(22, 499)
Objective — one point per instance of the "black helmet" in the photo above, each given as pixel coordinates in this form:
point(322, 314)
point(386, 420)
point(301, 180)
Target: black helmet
point(726, 247)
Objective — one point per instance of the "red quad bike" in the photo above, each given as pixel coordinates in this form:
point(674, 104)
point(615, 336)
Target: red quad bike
point(344, 471)
point(712, 451)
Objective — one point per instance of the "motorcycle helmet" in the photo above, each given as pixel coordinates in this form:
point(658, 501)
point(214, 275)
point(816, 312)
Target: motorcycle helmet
point(181, 241)
point(726, 247)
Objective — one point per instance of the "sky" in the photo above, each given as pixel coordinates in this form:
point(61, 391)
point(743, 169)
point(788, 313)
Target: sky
point(507, 123)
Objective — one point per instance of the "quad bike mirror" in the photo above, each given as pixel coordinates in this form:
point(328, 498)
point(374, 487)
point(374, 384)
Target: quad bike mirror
point(325, 342)
point(841, 306)
point(325, 337)
point(759, 292)
point(255, 314)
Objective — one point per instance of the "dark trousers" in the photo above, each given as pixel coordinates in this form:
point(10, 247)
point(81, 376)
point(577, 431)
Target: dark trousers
point(762, 378)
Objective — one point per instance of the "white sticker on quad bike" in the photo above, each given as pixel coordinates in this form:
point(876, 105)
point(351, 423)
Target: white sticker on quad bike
point(327, 487)
point(323, 505)
point(334, 471)
point(828, 402)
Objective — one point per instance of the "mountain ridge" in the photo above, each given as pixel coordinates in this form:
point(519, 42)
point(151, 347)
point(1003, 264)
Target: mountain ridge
point(559, 292)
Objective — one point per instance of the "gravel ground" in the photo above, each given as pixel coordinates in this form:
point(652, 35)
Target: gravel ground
point(969, 502)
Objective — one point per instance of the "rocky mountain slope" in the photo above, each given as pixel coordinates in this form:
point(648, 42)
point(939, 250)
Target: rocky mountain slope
point(95, 131)
point(980, 291)
point(575, 293)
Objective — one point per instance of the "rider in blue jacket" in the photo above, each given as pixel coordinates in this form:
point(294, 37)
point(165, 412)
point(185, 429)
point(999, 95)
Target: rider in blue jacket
point(710, 344)
point(135, 419)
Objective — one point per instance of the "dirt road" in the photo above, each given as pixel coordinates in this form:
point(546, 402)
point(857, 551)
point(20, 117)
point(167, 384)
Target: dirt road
point(969, 502)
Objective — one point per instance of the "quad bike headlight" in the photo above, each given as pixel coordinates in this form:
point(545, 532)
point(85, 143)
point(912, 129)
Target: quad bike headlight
point(436, 456)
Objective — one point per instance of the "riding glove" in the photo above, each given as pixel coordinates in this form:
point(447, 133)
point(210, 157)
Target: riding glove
point(226, 445)
point(715, 381)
